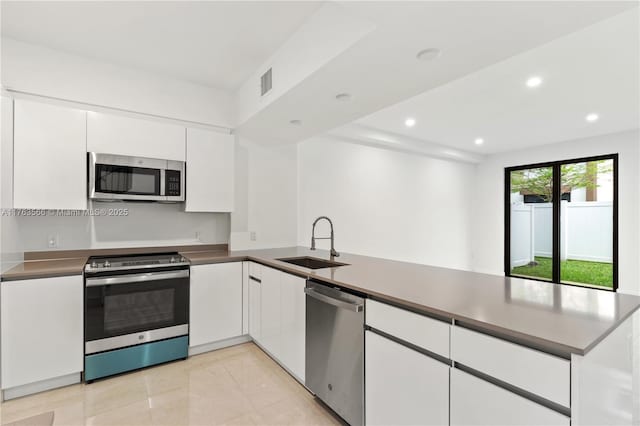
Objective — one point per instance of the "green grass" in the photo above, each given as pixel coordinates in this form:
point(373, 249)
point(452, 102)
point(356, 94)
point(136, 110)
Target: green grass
point(573, 271)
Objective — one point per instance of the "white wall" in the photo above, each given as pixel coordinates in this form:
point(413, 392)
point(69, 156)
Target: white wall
point(266, 196)
point(328, 32)
point(487, 240)
point(147, 224)
point(35, 69)
point(385, 203)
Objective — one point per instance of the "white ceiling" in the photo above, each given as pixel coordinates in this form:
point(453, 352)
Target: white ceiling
point(216, 43)
point(381, 68)
point(596, 69)
point(474, 89)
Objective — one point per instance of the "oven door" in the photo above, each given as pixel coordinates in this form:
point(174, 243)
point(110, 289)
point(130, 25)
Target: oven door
point(129, 309)
point(126, 178)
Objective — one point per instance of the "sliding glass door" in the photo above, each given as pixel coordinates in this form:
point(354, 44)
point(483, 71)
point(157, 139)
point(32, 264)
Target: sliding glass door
point(561, 222)
point(531, 210)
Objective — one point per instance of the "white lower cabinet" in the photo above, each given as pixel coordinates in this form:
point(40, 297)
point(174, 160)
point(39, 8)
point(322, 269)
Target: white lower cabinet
point(215, 303)
point(403, 386)
point(270, 330)
point(293, 324)
point(477, 402)
point(255, 297)
point(42, 329)
point(277, 315)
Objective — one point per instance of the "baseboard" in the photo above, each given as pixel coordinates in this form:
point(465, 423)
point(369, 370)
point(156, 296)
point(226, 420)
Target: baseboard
point(220, 344)
point(41, 386)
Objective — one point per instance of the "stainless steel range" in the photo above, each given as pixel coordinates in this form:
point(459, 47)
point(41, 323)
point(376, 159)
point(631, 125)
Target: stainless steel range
point(136, 312)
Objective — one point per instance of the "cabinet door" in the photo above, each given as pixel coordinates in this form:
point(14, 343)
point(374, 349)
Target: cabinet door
point(6, 153)
point(270, 324)
point(114, 134)
point(210, 171)
point(215, 303)
point(255, 297)
point(245, 298)
point(50, 157)
point(403, 386)
point(293, 324)
point(42, 329)
point(478, 402)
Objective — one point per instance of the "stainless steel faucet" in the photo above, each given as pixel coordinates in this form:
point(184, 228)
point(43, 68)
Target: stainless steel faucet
point(333, 251)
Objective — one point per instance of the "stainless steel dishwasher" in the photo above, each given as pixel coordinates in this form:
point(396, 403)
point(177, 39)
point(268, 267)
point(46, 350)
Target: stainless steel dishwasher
point(335, 350)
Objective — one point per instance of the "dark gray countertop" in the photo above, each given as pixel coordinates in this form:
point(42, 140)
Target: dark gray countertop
point(559, 319)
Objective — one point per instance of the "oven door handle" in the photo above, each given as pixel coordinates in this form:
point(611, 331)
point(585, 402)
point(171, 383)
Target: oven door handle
point(136, 278)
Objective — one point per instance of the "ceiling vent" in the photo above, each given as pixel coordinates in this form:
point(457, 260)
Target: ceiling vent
point(266, 82)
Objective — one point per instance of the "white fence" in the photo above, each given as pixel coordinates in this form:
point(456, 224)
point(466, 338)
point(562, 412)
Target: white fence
point(586, 231)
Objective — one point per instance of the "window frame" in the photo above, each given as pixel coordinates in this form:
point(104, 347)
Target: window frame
point(556, 166)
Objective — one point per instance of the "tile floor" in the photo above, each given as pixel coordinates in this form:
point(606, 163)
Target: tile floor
point(239, 385)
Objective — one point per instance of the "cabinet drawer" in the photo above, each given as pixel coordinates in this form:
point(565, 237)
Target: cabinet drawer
point(419, 330)
point(403, 386)
point(255, 270)
point(480, 403)
point(537, 372)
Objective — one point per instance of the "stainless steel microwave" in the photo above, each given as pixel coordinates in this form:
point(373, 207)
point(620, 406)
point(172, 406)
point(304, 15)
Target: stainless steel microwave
point(120, 177)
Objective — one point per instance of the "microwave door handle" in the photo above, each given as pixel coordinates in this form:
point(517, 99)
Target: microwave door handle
point(136, 278)
point(163, 190)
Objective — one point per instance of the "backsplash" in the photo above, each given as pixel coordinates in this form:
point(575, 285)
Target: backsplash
point(123, 225)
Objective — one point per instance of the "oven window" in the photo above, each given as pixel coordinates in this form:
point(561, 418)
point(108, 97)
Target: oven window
point(127, 180)
point(123, 311)
point(116, 310)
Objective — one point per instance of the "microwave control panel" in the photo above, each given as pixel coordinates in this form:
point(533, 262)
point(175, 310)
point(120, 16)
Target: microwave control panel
point(172, 183)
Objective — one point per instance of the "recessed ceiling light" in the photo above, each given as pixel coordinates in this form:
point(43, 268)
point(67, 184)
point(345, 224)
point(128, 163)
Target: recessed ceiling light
point(295, 122)
point(592, 117)
point(428, 54)
point(343, 97)
point(534, 81)
point(410, 122)
point(478, 141)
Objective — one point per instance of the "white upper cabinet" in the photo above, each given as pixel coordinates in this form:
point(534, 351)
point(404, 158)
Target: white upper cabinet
point(534, 371)
point(255, 299)
point(50, 157)
point(480, 403)
point(113, 134)
point(210, 171)
point(270, 305)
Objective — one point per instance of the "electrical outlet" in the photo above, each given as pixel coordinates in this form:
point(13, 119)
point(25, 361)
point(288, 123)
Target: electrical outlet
point(252, 235)
point(197, 235)
point(52, 241)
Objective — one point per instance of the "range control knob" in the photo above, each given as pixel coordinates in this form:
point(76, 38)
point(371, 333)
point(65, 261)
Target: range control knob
point(94, 264)
point(106, 264)
point(173, 259)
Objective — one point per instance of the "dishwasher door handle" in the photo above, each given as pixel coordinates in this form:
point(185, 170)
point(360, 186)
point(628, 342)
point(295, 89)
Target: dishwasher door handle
point(355, 307)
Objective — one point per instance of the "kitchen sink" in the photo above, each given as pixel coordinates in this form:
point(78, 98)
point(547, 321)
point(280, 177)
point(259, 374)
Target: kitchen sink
point(311, 262)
